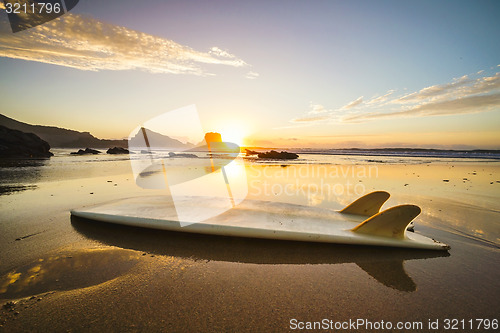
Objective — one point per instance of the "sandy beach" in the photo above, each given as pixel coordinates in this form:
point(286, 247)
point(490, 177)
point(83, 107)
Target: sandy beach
point(60, 274)
point(302, 166)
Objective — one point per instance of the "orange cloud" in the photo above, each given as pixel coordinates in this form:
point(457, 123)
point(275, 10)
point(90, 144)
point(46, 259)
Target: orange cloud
point(88, 44)
point(471, 104)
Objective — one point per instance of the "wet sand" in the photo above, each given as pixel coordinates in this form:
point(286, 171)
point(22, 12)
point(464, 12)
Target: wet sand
point(63, 274)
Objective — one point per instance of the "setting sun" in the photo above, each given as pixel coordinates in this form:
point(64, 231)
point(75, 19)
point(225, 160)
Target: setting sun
point(233, 132)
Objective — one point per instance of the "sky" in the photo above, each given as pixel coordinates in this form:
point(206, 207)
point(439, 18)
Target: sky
point(317, 74)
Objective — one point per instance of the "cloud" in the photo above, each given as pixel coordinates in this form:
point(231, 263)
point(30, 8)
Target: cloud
point(316, 108)
point(316, 113)
point(435, 91)
point(309, 119)
point(463, 95)
point(88, 44)
point(471, 104)
point(467, 94)
point(252, 75)
point(484, 85)
point(353, 104)
point(380, 99)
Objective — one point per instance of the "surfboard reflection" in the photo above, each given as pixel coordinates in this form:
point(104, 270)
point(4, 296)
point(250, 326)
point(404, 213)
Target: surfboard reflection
point(386, 265)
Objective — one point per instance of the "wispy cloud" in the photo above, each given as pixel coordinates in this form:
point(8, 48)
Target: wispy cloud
point(467, 94)
point(88, 44)
point(316, 113)
point(353, 104)
point(252, 75)
point(471, 104)
point(309, 119)
point(435, 91)
point(380, 99)
point(461, 96)
point(317, 108)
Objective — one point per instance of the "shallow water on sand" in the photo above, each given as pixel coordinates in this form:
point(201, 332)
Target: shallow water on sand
point(235, 284)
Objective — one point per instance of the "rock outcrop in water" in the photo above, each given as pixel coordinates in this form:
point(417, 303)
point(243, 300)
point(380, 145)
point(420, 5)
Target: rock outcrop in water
point(117, 150)
point(283, 155)
point(17, 144)
point(182, 155)
point(249, 152)
point(87, 151)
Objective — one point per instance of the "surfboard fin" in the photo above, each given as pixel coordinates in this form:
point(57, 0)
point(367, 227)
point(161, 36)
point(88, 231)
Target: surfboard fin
point(391, 222)
point(367, 205)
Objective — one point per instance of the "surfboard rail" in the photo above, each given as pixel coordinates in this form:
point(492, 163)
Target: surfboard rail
point(269, 220)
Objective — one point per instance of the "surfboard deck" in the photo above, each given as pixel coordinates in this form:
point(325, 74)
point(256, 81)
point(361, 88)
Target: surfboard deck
point(263, 219)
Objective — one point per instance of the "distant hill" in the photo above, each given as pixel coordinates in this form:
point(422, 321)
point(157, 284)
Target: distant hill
point(61, 137)
point(157, 140)
point(64, 138)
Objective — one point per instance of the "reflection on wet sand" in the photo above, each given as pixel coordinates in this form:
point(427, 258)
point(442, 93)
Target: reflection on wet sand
point(11, 189)
point(383, 264)
point(66, 272)
point(19, 175)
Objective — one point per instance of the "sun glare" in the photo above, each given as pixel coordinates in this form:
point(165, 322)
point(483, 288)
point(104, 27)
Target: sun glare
point(234, 133)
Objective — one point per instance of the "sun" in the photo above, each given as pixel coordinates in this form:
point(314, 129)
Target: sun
point(233, 132)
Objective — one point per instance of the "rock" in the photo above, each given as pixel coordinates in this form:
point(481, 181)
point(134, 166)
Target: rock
point(17, 144)
point(9, 305)
point(213, 137)
point(182, 155)
point(117, 150)
point(92, 151)
point(249, 152)
point(278, 155)
point(87, 151)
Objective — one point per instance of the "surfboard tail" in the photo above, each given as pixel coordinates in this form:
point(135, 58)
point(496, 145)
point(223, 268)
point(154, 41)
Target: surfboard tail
point(391, 222)
point(367, 205)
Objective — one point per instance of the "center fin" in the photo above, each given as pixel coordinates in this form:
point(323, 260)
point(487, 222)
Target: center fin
point(368, 204)
point(391, 222)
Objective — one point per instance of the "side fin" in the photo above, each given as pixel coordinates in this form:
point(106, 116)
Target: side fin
point(368, 204)
point(391, 222)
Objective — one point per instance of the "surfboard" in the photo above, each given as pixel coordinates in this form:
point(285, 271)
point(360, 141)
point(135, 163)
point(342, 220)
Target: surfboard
point(360, 223)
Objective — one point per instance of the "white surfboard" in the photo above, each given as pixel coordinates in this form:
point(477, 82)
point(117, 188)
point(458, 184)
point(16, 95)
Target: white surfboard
point(359, 223)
